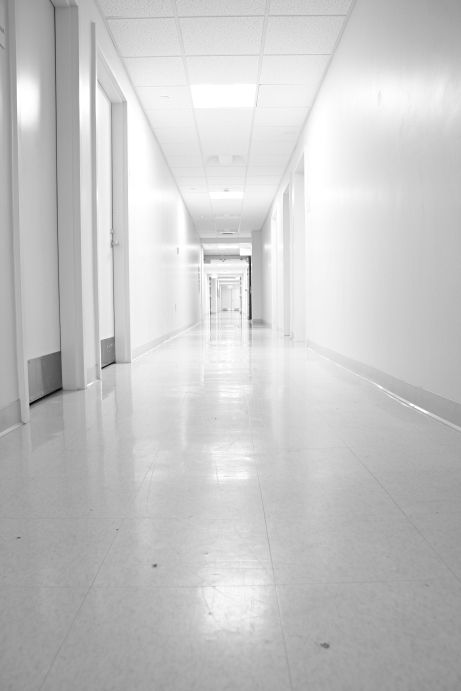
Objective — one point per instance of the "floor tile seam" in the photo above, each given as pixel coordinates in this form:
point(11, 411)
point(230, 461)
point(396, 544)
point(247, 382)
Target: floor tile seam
point(268, 586)
point(409, 520)
point(277, 600)
point(84, 599)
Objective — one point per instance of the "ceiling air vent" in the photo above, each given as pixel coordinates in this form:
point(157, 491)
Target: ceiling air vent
point(228, 232)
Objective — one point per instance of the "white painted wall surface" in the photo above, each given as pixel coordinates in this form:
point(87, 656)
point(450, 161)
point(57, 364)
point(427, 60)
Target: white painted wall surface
point(105, 222)
point(8, 367)
point(383, 176)
point(256, 275)
point(384, 181)
point(298, 271)
point(35, 61)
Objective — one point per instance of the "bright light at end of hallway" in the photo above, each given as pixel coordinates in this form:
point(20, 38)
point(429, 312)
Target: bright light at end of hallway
point(223, 95)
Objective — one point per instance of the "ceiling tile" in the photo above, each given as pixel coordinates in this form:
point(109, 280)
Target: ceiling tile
point(136, 8)
point(145, 37)
point(190, 148)
point(228, 182)
point(156, 71)
point(223, 69)
point(258, 171)
point(225, 171)
point(269, 180)
point(265, 133)
point(285, 96)
point(310, 6)
point(153, 97)
point(164, 117)
point(262, 160)
point(188, 172)
point(293, 69)
point(192, 184)
point(184, 161)
point(175, 134)
point(280, 116)
point(219, 121)
point(276, 148)
point(222, 36)
point(200, 8)
point(303, 35)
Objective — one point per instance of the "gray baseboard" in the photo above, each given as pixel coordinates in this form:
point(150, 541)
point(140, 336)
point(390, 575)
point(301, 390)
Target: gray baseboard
point(10, 416)
point(45, 375)
point(107, 351)
point(141, 350)
point(440, 407)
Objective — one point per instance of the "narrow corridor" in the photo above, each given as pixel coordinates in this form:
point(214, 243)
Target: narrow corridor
point(230, 511)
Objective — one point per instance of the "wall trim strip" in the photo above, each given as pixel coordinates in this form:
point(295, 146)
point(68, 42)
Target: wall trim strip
point(442, 409)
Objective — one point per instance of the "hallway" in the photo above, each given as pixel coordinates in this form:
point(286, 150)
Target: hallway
point(231, 511)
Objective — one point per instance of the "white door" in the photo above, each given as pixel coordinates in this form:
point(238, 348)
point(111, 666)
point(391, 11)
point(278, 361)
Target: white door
point(35, 45)
point(105, 225)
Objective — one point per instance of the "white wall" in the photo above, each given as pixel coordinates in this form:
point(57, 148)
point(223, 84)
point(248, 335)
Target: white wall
point(164, 248)
point(256, 275)
point(383, 180)
point(9, 391)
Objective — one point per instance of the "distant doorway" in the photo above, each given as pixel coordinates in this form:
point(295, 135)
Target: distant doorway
point(105, 227)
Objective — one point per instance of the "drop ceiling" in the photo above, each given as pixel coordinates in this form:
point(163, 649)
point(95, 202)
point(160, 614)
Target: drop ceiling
point(282, 46)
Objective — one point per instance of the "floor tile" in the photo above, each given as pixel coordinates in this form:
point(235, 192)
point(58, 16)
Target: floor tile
point(380, 636)
point(35, 622)
point(182, 639)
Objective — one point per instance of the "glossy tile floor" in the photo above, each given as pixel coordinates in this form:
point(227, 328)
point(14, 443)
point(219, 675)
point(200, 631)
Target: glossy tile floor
point(230, 512)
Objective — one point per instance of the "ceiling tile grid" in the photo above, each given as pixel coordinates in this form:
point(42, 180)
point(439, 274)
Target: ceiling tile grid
point(281, 47)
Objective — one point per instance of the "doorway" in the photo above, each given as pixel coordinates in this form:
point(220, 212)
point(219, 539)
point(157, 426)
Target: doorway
point(105, 225)
point(37, 194)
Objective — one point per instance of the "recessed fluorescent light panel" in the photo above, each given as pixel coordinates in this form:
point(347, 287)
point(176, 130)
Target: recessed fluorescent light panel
point(226, 195)
point(223, 95)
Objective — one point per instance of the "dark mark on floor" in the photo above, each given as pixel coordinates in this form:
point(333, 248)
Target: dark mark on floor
point(325, 645)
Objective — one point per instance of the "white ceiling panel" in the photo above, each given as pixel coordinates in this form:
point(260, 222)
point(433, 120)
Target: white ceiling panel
point(165, 117)
point(267, 134)
point(153, 97)
point(227, 143)
point(222, 36)
point(304, 35)
point(188, 172)
point(268, 180)
point(190, 148)
point(184, 161)
point(285, 96)
point(136, 8)
point(156, 71)
point(290, 117)
point(276, 148)
point(225, 171)
point(265, 170)
point(223, 69)
point(175, 134)
point(263, 160)
point(170, 45)
point(145, 37)
point(310, 6)
point(193, 185)
point(293, 69)
point(218, 121)
point(232, 183)
point(202, 8)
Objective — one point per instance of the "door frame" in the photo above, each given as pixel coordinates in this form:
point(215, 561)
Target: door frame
point(102, 74)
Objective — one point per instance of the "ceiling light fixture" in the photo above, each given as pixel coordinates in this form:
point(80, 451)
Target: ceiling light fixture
point(223, 95)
